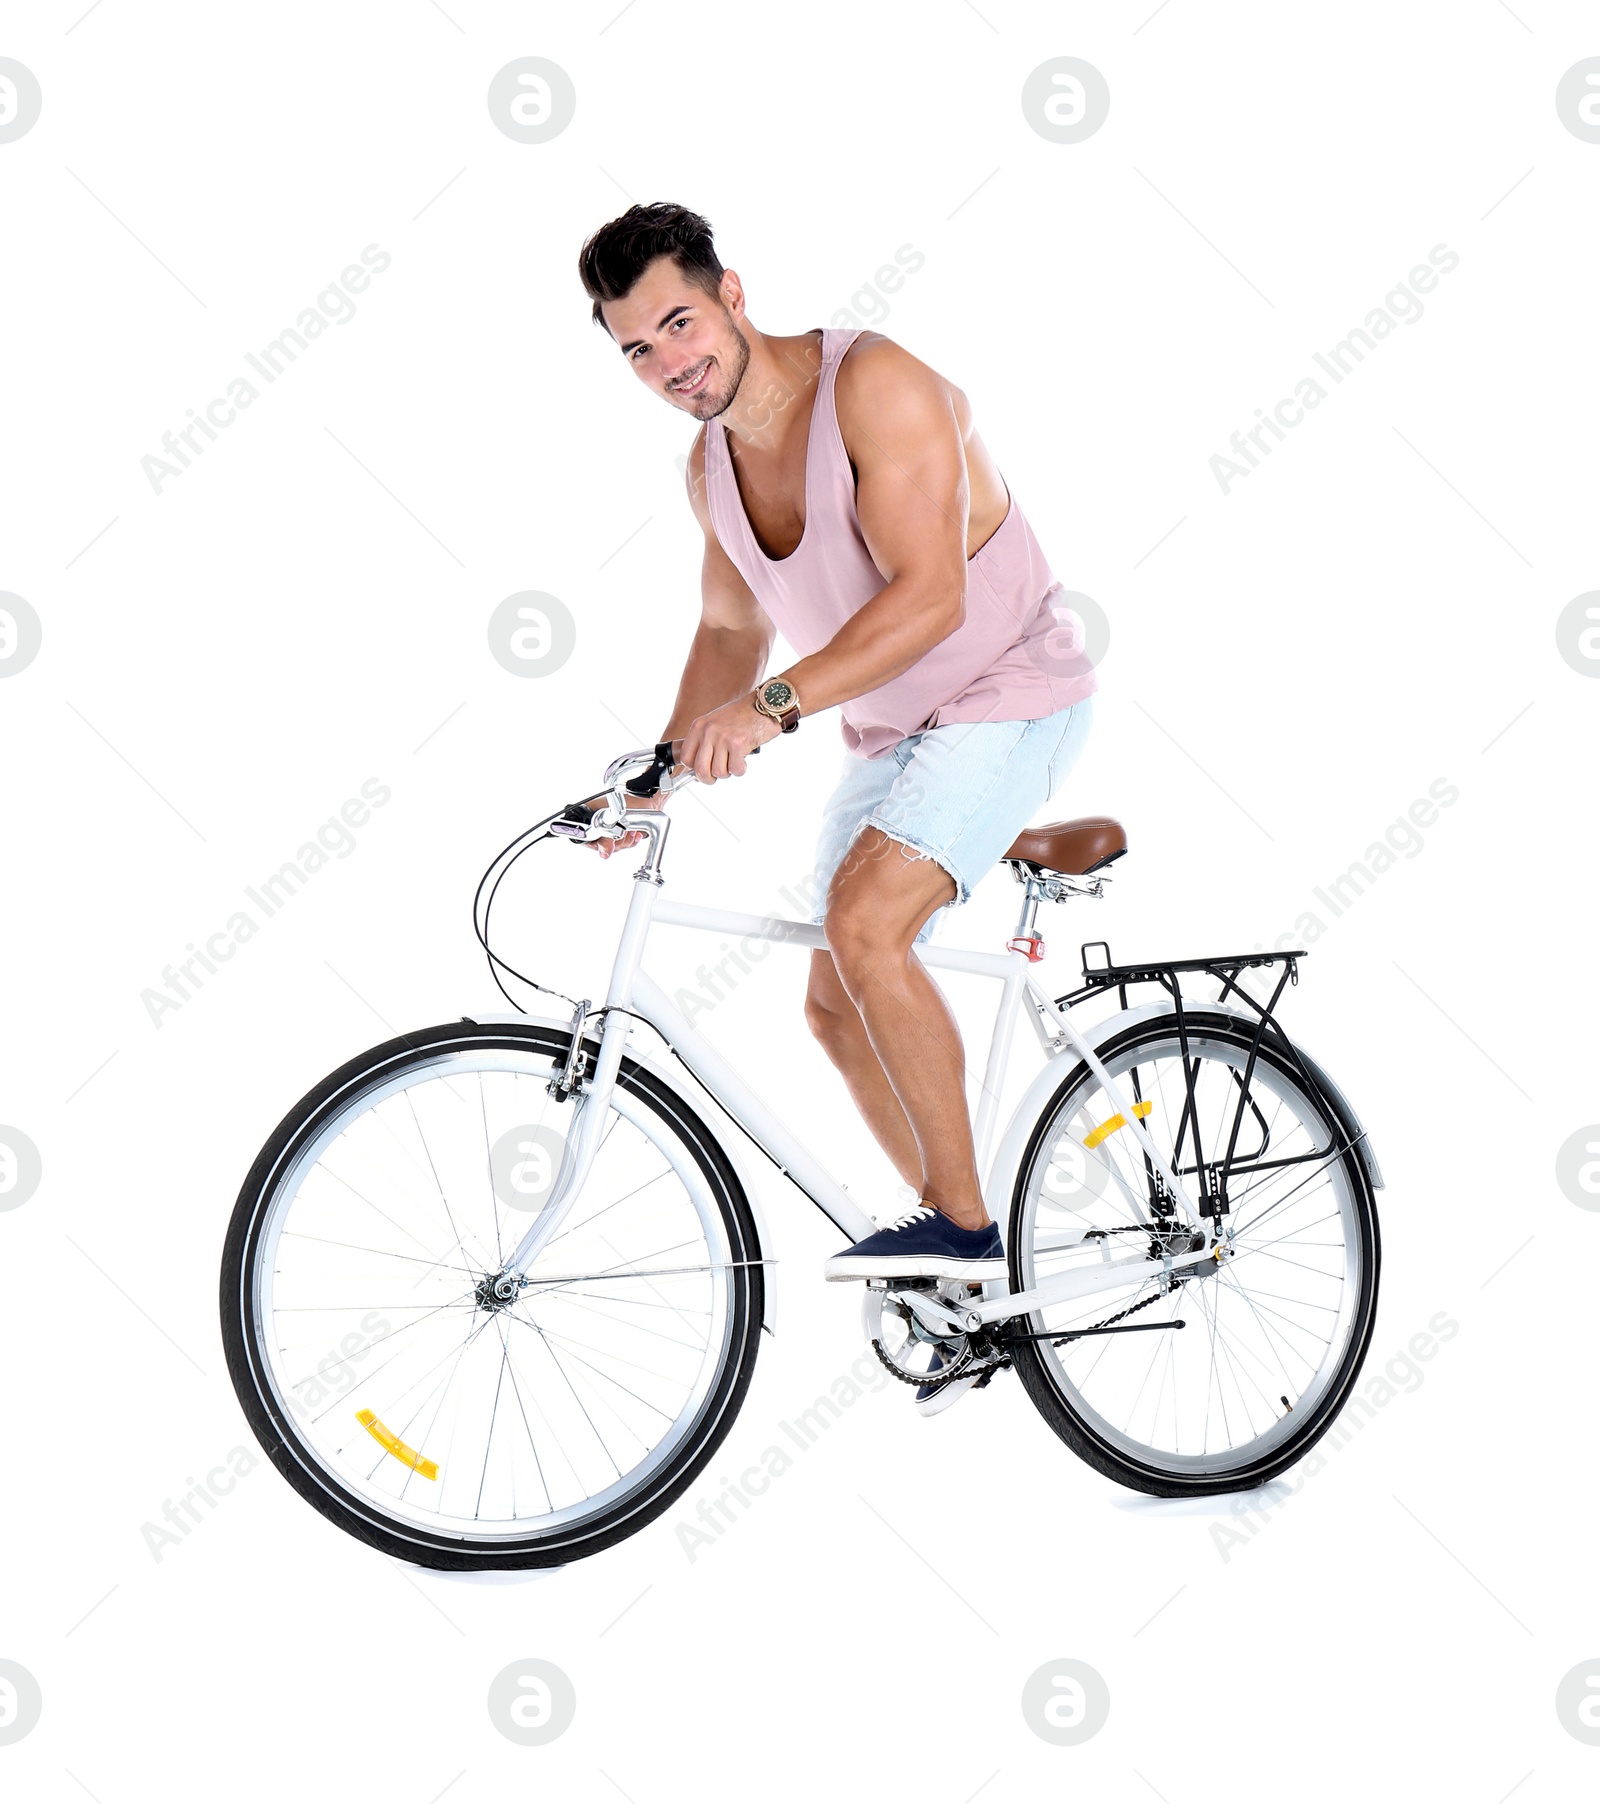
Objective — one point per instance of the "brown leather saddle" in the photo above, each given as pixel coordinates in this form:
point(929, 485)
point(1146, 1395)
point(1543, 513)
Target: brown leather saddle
point(1070, 848)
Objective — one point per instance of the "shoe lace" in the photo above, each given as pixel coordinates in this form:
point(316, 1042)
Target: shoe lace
point(922, 1212)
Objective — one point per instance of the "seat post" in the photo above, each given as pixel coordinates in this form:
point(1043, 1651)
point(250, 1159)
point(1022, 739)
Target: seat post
point(1030, 908)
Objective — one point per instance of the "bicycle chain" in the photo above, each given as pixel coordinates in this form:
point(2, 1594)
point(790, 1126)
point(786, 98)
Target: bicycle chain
point(1132, 1309)
point(948, 1376)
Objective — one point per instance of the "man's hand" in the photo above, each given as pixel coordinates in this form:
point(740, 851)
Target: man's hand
point(605, 847)
point(717, 744)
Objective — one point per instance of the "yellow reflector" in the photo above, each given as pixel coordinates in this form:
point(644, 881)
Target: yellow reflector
point(390, 1442)
point(1107, 1128)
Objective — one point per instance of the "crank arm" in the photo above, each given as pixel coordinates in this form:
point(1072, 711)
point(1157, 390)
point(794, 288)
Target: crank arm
point(931, 1313)
point(929, 1310)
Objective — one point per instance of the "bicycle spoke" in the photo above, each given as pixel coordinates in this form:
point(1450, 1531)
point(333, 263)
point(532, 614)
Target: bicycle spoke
point(428, 1154)
point(533, 1445)
point(379, 1252)
point(488, 1443)
point(488, 1166)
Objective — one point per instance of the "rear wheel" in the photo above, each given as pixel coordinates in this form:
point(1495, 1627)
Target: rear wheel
point(1273, 1332)
point(392, 1387)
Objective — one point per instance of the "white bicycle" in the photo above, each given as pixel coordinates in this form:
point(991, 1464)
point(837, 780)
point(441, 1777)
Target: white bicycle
point(492, 1292)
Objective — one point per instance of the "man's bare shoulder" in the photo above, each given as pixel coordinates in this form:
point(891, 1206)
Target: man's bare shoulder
point(881, 380)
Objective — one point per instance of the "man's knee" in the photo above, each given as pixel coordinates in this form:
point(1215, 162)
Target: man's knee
point(863, 936)
point(878, 900)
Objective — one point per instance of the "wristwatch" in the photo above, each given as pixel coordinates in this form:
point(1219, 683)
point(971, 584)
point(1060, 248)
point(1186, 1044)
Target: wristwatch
point(778, 701)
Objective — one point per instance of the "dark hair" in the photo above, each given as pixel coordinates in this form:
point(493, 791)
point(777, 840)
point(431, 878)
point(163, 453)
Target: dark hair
point(618, 254)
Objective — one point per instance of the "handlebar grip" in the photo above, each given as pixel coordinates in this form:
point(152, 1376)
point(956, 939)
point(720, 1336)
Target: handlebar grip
point(667, 759)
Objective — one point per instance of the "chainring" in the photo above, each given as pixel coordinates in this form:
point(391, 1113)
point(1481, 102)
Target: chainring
point(881, 1306)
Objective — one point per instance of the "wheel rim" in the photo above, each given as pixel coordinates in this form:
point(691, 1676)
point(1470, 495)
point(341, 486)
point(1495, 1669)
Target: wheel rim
point(534, 1417)
point(1275, 1317)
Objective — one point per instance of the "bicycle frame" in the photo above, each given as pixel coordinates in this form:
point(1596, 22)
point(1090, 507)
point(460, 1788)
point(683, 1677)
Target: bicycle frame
point(633, 992)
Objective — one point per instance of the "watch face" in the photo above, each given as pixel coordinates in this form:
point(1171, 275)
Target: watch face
point(777, 694)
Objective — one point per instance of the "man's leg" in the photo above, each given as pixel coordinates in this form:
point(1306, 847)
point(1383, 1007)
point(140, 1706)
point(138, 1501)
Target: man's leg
point(877, 903)
point(836, 1022)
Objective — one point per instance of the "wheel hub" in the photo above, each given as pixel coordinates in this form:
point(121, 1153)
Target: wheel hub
point(496, 1291)
point(1179, 1239)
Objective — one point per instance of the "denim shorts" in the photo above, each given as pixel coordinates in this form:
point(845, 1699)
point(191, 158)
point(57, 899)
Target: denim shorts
point(958, 795)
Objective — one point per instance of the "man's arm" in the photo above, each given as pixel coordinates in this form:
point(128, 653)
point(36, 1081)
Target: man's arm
point(900, 428)
point(899, 425)
point(730, 648)
point(734, 638)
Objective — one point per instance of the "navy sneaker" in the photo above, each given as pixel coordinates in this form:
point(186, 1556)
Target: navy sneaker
point(933, 1398)
point(923, 1244)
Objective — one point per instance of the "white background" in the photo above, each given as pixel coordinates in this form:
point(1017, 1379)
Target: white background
point(305, 608)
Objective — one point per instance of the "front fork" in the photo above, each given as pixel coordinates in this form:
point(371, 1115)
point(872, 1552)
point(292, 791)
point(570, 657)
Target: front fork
point(591, 1105)
point(583, 1139)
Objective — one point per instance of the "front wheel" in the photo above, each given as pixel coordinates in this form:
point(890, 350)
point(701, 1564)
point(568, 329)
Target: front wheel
point(392, 1386)
point(1221, 1377)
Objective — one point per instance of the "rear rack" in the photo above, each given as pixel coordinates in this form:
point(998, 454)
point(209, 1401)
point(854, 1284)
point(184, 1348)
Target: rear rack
point(1167, 974)
point(1225, 968)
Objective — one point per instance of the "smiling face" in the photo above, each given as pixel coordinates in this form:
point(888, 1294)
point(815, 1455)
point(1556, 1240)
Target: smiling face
point(682, 342)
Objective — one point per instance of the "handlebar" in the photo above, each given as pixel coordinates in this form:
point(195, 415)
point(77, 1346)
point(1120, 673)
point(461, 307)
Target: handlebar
point(657, 772)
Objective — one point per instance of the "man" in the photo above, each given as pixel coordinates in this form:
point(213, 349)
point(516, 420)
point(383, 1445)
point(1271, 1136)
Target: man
point(848, 502)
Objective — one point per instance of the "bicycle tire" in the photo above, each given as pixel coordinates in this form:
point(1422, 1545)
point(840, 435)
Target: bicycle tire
point(1031, 1359)
point(274, 1425)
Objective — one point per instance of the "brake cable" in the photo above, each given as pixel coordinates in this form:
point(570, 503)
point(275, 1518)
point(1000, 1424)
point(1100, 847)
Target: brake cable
point(524, 841)
point(641, 786)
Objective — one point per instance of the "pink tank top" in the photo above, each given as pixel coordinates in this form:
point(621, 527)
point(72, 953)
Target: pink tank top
point(1018, 655)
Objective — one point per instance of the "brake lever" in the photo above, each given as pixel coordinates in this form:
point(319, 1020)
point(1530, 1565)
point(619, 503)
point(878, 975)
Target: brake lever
point(649, 780)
